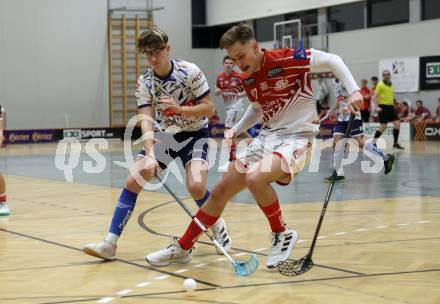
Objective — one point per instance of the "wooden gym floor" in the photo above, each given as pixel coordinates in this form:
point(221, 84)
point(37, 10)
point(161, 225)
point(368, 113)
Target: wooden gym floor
point(379, 242)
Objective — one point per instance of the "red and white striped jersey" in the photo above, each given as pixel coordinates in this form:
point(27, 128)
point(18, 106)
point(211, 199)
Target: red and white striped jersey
point(232, 89)
point(283, 90)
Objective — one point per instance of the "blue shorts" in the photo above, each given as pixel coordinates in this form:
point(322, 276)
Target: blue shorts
point(187, 146)
point(356, 130)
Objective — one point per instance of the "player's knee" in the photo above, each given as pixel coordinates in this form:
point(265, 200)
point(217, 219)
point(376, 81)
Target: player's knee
point(132, 185)
point(146, 174)
point(253, 181)
point(197, 190)
point(137, 181)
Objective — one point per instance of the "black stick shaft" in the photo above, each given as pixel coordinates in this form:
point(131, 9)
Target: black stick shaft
point(329, 191)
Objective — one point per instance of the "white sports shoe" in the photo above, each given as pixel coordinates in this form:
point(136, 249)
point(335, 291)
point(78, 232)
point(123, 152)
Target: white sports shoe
point(104, 250)
point(171, 254)
point(281, 246)
point(4, 209)
point(220, 234)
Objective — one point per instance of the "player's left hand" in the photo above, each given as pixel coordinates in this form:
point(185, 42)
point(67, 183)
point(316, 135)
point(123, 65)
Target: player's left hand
point(355, 102)
point(169, 106)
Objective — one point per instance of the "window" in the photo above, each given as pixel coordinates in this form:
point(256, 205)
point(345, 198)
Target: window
point(208, 36)
point(309, 21)
point(386, 12)
point(430, 9)
point(346, 17)
point(198, 12)
point(264, 27)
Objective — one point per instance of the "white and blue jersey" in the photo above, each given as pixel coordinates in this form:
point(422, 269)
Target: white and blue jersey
point(342, 100)
point(186, 84)
point(343, 118)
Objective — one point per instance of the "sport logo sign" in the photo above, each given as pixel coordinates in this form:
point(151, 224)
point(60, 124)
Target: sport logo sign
point(433, 70)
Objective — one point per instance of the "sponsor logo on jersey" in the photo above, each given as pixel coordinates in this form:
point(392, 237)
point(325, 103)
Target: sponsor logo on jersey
point(275, 71)
point(198, 77)
point(281, 84)
point(254, 92)
point(147, 83)
point(263, 86)
point(200, 85)
point(249, 81)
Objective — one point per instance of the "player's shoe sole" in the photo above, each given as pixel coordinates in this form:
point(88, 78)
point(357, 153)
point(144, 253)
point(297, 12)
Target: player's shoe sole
point(97, 251)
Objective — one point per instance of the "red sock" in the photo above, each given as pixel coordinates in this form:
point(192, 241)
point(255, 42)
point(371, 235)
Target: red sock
point(193, 232)
point(3, 198)
point(274, 216)
point(232, 152)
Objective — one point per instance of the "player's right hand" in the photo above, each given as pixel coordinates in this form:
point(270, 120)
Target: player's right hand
point(355, 102)
point(217, 92)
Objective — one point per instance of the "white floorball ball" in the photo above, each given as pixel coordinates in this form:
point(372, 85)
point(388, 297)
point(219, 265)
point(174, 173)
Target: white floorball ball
point(189, 284)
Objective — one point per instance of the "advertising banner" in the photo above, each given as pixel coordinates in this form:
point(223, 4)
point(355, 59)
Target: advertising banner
point(426, 131)
point(405, 131)
point(430, 73)
point(216, 130)
point(404, 73)
point(88, 133)
point(29, 136)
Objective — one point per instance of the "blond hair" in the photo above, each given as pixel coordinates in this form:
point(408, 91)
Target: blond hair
point(241, 32)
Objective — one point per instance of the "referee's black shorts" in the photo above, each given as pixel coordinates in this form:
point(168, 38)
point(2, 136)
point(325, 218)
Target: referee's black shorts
point(388, 114)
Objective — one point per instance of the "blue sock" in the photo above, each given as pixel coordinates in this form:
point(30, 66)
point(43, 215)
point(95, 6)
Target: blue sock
point(124, 209)
point(201, 201)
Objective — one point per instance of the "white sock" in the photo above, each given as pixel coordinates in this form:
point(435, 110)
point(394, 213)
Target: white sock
point(337, 159)
point(375, 150)
point(112, 238)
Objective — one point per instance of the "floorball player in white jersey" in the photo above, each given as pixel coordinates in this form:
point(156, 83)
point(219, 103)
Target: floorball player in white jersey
point(174, 96)
point(357, 133)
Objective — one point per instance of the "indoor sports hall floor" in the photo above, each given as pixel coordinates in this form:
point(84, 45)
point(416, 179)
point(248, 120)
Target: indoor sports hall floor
point(379, 242)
